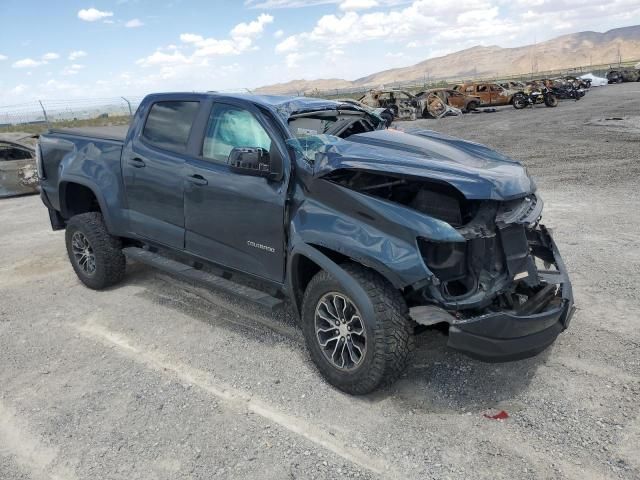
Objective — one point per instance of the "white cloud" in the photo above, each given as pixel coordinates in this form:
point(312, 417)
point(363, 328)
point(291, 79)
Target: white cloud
point(278, 34)
point(27, 63)
point(50, 56)
point(241, 39)
point(251, 29)
point(267, 4)
point(134, 23)
point(72, 69)
point(288, 44)
point(76, 54)
point(191, 38)
point(19, 89)
point(358, 4)
point(162, 58)
point(93, 15)
point(3, 57)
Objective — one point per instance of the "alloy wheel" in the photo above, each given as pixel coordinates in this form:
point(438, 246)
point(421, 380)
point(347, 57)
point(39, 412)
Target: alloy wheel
point(83, 253)
point(340, 331)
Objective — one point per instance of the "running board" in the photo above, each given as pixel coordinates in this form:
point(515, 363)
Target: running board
point(187, 272)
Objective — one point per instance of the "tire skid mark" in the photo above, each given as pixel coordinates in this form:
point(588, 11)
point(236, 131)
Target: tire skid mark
point(236, 399)
point(28, 450)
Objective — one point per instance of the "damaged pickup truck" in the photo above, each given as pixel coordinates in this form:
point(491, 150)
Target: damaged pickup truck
point(372, 234)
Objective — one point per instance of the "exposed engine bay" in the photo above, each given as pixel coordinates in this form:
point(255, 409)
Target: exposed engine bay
point(504, 261)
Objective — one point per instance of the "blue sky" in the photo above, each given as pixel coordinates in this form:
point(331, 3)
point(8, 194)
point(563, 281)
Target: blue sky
point(83, 49)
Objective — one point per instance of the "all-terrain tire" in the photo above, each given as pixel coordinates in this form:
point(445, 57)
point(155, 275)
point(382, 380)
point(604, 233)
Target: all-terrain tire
point(389, 334)
point(109, 262)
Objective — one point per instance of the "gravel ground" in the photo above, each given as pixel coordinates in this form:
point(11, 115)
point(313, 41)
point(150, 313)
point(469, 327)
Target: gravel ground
point(159, 379)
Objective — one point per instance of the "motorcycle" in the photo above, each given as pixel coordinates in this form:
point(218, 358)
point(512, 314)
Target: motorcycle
point(566, 92)
point(535, 97)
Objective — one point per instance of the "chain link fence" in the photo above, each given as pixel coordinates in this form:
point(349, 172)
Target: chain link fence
point(38, 116)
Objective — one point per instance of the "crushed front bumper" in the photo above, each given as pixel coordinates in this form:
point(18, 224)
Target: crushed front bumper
point(505, 336)
point(525, 330)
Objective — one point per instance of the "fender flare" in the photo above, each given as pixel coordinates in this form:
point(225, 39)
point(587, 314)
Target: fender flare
point(62, 188)
point(350, 285)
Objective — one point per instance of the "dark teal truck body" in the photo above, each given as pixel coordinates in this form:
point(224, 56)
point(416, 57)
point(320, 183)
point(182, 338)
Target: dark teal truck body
point(452, 225)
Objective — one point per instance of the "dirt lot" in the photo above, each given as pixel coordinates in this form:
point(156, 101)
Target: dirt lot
point(159, 379)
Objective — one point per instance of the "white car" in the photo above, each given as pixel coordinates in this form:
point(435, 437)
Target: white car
point(595, 81)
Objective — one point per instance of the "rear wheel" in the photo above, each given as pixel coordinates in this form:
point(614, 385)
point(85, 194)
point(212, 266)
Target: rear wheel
point(550, 100)
point(356, 352)
point(96, 256)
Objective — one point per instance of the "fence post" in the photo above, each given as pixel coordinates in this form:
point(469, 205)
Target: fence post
point(129, 105)
point(46, 119)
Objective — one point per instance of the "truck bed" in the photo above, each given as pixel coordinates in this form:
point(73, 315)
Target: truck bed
point(116, 132)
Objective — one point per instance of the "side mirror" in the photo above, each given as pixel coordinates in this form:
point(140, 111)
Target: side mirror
point(250, 161)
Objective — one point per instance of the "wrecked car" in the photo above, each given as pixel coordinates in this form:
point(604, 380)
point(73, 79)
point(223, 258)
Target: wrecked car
point(18, 175)
point(513, 85)
point(623, 75)
point(403, 104)
point(436, 99)
point(490, 94)
point(369, 232)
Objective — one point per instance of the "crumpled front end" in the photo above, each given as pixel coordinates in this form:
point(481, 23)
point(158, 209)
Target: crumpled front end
point(504, 290)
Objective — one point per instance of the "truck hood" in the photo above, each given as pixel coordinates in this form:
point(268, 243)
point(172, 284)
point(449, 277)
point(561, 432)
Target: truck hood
point(475, 170)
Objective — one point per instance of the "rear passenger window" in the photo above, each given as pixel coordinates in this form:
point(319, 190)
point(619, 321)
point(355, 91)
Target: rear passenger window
point(169, 123)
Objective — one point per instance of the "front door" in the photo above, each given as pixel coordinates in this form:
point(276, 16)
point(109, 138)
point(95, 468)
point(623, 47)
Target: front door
point(152, 166)
point(233, 219)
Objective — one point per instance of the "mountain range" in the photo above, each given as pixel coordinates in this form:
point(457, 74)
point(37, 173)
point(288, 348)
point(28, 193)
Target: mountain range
point(564, 52)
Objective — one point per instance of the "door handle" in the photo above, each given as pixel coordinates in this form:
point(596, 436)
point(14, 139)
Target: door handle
point(137, 162)
point(198, 179)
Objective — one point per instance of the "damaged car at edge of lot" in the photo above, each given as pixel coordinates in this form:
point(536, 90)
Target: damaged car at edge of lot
point(385, 114)
point(369, 232)
point(623, 75)
point(404, 105)
point(18, 175)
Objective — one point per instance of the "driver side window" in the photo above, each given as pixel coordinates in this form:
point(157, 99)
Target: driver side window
point(230, 127)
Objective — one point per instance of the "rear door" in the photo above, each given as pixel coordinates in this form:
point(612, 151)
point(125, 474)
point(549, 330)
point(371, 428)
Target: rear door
point(233, 219)
point(482, 91)
point(153, 168)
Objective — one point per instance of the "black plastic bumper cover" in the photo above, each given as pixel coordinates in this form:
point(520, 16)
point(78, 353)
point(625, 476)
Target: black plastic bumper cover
point(506, 336)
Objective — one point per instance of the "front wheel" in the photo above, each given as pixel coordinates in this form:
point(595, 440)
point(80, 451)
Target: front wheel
point(357, 345)
point(95, 255)
point(519, 102)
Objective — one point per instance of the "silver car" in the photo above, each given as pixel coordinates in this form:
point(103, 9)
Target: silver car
point(18, 173)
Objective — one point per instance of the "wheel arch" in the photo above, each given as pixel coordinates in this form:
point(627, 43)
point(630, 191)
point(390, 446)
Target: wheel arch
point(307, 260)
point(78, 197)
